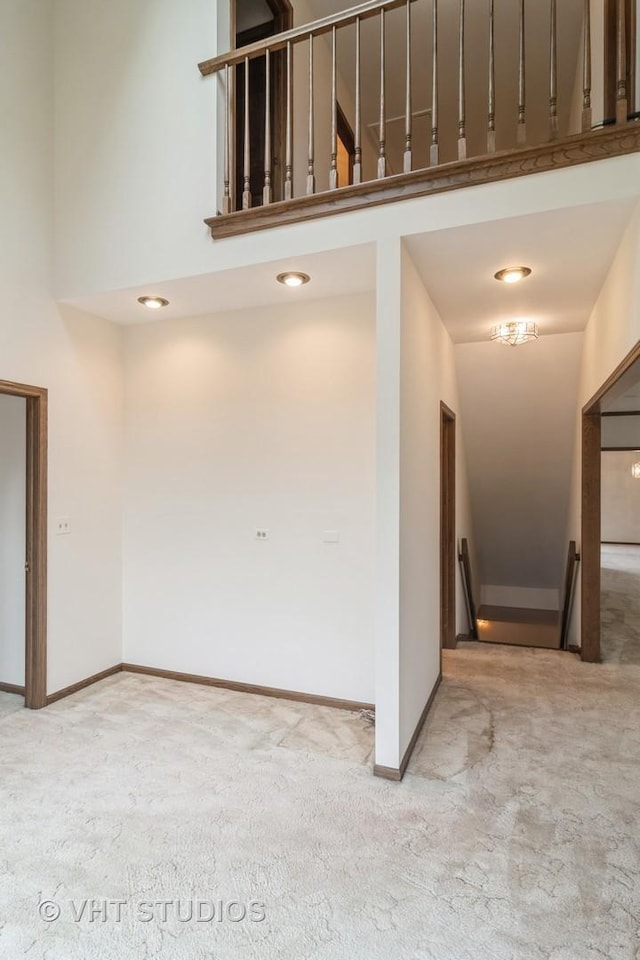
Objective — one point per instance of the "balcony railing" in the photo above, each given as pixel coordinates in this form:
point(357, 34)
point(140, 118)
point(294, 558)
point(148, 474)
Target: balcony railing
point(396, 98)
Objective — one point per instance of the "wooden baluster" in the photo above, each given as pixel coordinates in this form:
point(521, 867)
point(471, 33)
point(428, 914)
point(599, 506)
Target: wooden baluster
point(586, 68)
point(288, 169)
point(226, 199)
point(553, 73)
point(491, 133)
point(246, 192)
point(357, 166)
point(621, 84)
point(433, 155)
point(311, 176)
point(462, 111)
point(267, 193)
point(522, 90)
point(333, 170)
point(408, 134)
point(382, 157)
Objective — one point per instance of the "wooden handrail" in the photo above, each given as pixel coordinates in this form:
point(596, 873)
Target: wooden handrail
point(324, 25)
point(573, 560)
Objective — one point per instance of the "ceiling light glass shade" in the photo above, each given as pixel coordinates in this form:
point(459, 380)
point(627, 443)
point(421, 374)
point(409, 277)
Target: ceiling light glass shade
point(153, 303)
point(293, 279)
point(513, 274)
point(635, 471)
point(515, 332)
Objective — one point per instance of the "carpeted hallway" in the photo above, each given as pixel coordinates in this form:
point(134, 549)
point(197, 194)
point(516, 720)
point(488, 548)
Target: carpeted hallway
point(620, 617)
point(514, 835)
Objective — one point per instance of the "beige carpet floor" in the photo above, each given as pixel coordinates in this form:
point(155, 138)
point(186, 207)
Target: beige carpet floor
point(620, 618)
point(515, 835)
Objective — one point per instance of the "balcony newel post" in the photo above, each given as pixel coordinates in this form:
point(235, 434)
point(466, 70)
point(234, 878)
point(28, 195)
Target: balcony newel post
point(267, 193)
point(491, 132)
point(226, 199)
point(462, 109)
point(408, 133)
point(521, 137)
point(357, 166)
point(434, 151)
point(586, 68)
point(382, 155)
point(288, 172)
point(246, 190)
point(311, 177)
point(553, 72)
point(621, 60)
point(333, 168)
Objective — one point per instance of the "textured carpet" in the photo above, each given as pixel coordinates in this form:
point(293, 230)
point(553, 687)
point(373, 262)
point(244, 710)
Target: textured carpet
point(620, 618)
point(514, 836)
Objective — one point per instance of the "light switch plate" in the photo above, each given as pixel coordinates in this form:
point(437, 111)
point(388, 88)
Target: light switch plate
point(63, 526)
point(331, 536)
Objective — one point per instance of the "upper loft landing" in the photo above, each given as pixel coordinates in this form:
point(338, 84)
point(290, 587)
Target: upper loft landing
point(396, 99)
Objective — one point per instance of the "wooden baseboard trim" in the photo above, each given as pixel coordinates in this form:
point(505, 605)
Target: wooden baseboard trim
point(234, 685)
point(620, 543)
point(580, 148)
point(393, 773)
point(11, 688)
point(387, 773)
point(81, 684)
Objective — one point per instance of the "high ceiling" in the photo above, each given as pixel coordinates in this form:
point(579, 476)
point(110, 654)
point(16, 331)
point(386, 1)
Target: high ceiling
point(569, 250)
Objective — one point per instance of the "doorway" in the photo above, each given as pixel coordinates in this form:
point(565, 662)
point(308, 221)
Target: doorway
point(447, 528)
point(35, 557)
point(257, 20)
point(623, 380)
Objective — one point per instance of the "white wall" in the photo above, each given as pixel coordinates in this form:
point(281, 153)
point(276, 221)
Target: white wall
point(621, 432)
point(135, 140)
point(262, 418)
point(612, 332)
point(13, 467)
point(519, 408)
point(416, 370)
point(620, 498)
point(428, 376)
point(76, 356)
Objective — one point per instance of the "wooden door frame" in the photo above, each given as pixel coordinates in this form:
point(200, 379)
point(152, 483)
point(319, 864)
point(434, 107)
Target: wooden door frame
point(448, 551)
point(617, 384)
point(36, 541)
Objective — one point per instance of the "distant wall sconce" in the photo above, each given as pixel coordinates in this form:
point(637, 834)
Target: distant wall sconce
point(293, 279)
point(635, 471)
point(513, 274)
point(515, 332)
point(153, 303)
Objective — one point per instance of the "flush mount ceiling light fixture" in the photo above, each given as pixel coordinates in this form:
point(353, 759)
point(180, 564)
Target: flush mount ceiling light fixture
point(293, 279)
point(515, 332)
point(153, 303)
point(513, 274)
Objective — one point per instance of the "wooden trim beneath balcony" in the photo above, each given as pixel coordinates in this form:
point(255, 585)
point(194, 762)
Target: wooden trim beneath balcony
point(582, 148)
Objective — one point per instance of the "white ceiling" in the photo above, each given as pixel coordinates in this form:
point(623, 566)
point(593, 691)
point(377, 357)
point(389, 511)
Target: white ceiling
point(334, 273)
point(570, 252)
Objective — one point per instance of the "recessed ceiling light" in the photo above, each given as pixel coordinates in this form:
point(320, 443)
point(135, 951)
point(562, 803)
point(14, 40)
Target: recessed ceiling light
point(515, 332)
point(153, 303)
point(513, 274)
point(293, 279)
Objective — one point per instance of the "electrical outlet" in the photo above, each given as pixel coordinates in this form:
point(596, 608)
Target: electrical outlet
point(262, 534)
point(63, 526)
